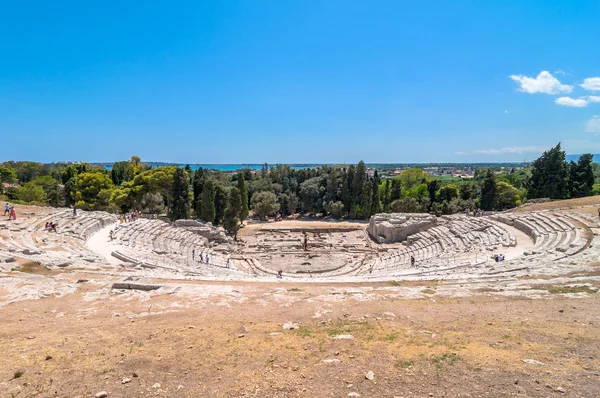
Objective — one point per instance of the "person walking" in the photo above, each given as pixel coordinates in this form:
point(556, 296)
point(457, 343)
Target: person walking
point(12, 214)
point(74, 211)
point(412, 261)
point(7, 209)
point(193, 254)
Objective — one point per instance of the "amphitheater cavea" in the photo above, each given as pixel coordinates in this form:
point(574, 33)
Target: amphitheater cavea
point(301, 307)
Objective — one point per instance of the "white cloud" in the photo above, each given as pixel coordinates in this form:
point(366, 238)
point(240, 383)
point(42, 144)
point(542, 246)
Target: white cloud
point(593, 125)
point(560, 72)
point(505, 111)
point(543, 83)
point(514, 149)
point(591, 84)
point(574, 102)
point(461, 153)
point(593, 98)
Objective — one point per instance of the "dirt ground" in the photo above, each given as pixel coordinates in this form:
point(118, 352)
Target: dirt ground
point(135, 345)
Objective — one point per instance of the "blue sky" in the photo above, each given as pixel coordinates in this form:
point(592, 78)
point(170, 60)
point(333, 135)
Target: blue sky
point(298, 81)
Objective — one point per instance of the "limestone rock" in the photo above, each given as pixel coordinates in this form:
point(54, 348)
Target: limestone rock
point(290, 326)
point(397, 227)
point(370, 375)
point(101, 394)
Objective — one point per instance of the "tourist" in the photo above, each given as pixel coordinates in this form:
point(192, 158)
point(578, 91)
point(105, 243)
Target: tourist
point(193, 254)
point(47, 227)
point(7, 209)
point(74, 211)
point(279, 274)
point(12, 215)
point(371, 268)
point(53, 226)
point(412, 261)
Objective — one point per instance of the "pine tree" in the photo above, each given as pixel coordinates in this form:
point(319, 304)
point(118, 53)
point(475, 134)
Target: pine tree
point(244, 210)
point(365, 200)
point(549, 175)
point(180, 192)
point(488, 192)
point(197, 187)
point(231, 219)
point(207, 202)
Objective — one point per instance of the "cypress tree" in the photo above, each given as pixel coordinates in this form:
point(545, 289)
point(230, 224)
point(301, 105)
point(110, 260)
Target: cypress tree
point(220, 203)
point(581, 176)
point(197, 187)
point(207, 202)
point(375, 204)
point(396, 190)
point(231, 219)
point(386, 196)
point(243, 191)
point(433, 187)
point(180, 192)
point(488, 191)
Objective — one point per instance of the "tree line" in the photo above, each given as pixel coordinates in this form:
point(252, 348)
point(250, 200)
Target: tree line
point(350, 191)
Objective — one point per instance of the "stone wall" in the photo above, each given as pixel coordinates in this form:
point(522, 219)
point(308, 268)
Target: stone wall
point(396, 227)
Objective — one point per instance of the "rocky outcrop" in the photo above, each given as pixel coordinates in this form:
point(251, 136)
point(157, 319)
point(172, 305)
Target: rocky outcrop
point(396, 227)
point(206, 230)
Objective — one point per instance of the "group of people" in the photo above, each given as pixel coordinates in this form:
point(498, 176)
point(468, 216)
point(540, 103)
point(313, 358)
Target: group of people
point(51, 226)
point(499, 257)
point(474, 213)
point(10, 210)
point(130, 217)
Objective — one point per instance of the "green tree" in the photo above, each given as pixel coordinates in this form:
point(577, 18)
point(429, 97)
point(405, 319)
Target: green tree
point(488, 192)
point(396, 192)
point(220, 203)
point(433, 188)
point(207, 203)
point(581, 177)
point(507, 196)
point(121, 172)
point(358, 181)
point(411, 178)
point(231, 219)
point(243, 197)
point(52, 188)
point(448, 193)
point(197, 187)
point(549, 175)
point(264, 204)
point(375, 202)
point(386, 195)
point(31, 193)
point(152, 203)
point(93, 191)
point(8, 174)
point(336, 209)
point(180, 192)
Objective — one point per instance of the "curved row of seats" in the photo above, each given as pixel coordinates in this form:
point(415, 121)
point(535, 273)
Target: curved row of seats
point(157, 244)
point(551, 231)
point(28, 238)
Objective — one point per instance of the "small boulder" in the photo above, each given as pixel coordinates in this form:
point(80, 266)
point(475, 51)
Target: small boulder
point(370, 375)
point(101, 394)
point(290, 326)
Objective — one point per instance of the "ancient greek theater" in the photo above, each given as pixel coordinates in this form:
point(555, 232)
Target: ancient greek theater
point(447, 247)
point(304, 307)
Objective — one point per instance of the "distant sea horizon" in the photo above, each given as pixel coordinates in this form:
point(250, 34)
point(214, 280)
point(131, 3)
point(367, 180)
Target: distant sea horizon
point(226, 167)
